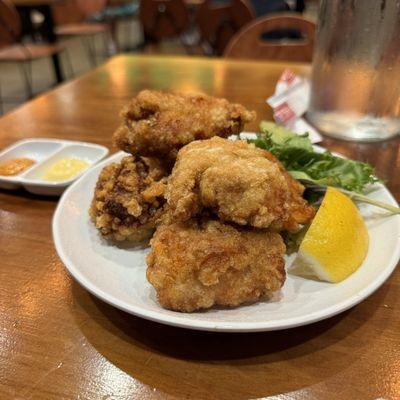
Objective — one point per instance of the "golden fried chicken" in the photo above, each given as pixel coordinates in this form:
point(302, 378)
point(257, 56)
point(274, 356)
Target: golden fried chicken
point(129, 198)
point(238, 182)
point(158, 124)
point(201, 263)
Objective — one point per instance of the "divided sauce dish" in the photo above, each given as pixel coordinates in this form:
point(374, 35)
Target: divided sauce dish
point(46, 152)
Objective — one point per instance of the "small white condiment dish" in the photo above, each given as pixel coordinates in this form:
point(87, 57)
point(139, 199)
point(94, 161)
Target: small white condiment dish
point(46, 152)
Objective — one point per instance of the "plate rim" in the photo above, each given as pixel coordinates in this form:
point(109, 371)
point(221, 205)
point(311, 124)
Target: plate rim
point(204, 325)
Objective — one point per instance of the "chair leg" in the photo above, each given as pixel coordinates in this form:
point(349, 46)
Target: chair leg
point(188, 48)
point(92, 41)
point(112, 35)
point(25, 68)
point(69, 64)
point(109, 44)
point(90, 50)
point(1, 102)
point(105, 45)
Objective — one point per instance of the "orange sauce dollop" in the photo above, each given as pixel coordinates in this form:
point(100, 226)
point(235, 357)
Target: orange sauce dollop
point(15, 166)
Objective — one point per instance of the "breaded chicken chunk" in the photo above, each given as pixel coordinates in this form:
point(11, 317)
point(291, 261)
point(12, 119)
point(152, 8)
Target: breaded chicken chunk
point(129, 198)
point(201, 263)
point(158, 124)
point(238, 182)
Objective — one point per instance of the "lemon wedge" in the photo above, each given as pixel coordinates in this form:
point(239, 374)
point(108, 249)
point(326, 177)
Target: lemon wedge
point(336, 242)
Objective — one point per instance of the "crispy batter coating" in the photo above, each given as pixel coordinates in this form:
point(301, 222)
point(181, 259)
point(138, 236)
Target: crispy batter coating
point(158, 124)
point(129, 198)
point(238, 182)
point(201, 263)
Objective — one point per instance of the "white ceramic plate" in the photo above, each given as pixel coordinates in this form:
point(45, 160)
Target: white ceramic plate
point(117, 275)
point(45, 152)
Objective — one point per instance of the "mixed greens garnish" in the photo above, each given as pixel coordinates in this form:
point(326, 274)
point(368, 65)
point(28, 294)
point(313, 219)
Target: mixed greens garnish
point(318, 169)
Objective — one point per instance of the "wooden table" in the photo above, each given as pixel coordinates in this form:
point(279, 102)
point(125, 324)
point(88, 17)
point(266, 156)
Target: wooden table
point(59, 342)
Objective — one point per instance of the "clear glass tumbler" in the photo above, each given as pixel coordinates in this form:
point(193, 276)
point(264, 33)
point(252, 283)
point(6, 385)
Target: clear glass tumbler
point(355, 91)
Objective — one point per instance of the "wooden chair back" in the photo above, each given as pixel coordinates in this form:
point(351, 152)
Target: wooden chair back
point(218, 23)
point(90, 7)
point(248, 42)
point(10, 23)
point(76, 11)
point(162, 19)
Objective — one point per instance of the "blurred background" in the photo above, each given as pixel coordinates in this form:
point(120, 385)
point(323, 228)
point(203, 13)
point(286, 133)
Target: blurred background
point(46, 42)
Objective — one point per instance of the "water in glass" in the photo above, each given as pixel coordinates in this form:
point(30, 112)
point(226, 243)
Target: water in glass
point(356, 70)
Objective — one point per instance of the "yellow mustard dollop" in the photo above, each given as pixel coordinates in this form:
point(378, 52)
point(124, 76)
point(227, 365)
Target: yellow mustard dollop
point(65, 169)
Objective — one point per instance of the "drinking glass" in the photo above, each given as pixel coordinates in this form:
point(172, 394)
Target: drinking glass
point(355, 92)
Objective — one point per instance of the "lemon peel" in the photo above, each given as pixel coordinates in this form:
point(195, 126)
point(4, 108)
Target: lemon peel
point(336, 242)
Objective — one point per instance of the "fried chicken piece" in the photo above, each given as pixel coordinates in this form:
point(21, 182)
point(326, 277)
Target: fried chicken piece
point(201, 263)
point(129, 198)
point(238, 182)
point(158, 124)
point(301, 211)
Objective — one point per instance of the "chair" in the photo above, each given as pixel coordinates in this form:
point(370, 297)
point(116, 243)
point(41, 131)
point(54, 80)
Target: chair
point(12, 50)
point(114, 12)
point(264, 7)
point(219, 22)
point(163, 19)
point(71, 16)
point(249, 42)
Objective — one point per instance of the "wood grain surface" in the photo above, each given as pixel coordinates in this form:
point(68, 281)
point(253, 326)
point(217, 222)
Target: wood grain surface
point(59, 342)
point(26, 3)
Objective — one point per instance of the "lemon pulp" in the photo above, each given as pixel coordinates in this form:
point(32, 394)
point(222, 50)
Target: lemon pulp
point(336, 242)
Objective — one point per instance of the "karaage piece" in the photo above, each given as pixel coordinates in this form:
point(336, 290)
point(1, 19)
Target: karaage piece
point(201, 263)
point(238, 182)
point(158, 124)
point(129, 198)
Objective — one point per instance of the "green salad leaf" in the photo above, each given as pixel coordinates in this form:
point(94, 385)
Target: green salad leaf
point(298, 156)
point(293, 239)
point(318, 169)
